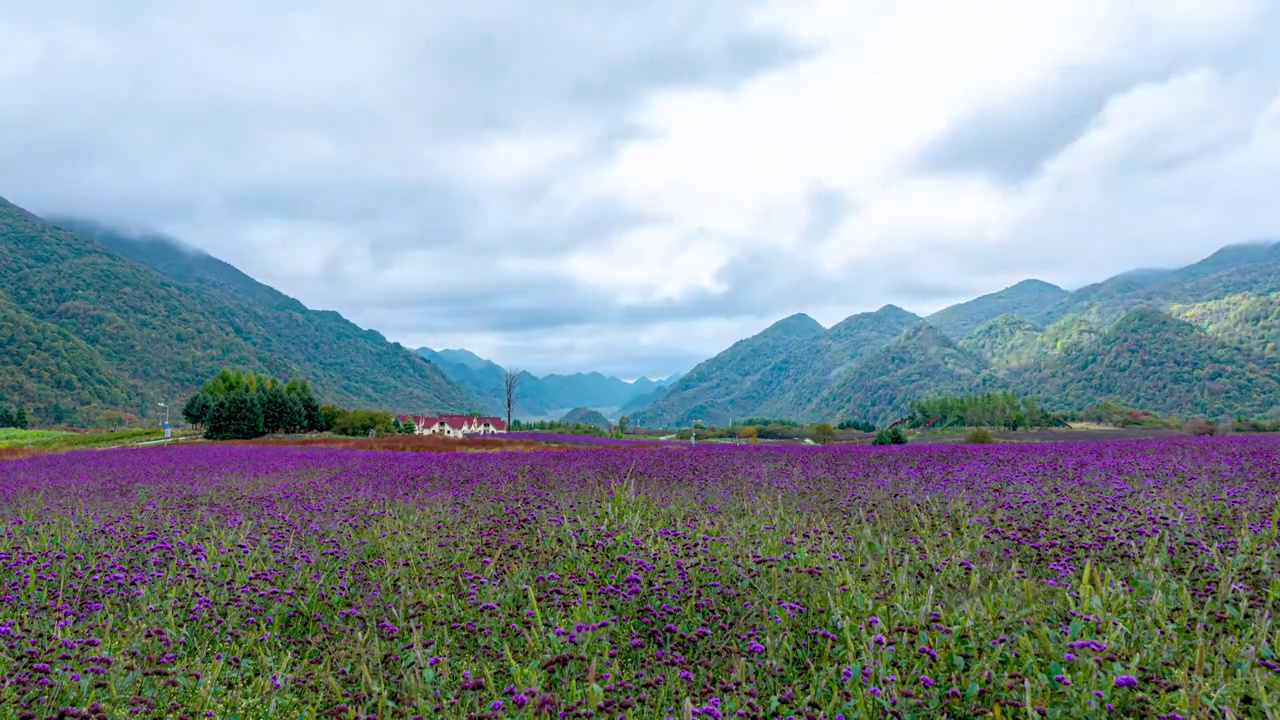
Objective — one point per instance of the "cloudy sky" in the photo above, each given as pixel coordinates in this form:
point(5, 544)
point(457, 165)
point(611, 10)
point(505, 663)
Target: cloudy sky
point(631, 186)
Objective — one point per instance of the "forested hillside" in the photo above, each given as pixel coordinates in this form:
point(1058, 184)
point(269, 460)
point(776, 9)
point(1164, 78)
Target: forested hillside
point(711, 391)
point(137, 335)
point(1199, 340)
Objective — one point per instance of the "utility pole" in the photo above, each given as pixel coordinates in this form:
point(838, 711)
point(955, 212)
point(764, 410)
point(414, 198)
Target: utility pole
point(693, 433)
point(166, 422)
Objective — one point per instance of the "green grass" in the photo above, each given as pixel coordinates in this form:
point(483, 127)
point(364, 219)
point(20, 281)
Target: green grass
point(15, 437)
point(90, 440)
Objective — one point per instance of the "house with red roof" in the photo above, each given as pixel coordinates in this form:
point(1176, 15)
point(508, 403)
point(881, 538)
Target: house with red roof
point(454, 425)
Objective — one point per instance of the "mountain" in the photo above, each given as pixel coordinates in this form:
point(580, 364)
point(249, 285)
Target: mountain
point(789, 385)
point(1150, 360)
point(1197, 340)
point(709, 392)
point(1029, 300)
point(918, 363)
point(110, 323)
point(586, 416)
point(544, 397)
point(467, 359)
point(1006, 341)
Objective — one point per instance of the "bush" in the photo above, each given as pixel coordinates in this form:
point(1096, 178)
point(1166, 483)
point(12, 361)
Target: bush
point(823, 433)
point(1200, 427)
point(981, 435)
point(890, 436)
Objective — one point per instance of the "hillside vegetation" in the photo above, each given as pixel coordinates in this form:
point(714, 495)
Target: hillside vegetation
point(1194, 341)
point(100, 327)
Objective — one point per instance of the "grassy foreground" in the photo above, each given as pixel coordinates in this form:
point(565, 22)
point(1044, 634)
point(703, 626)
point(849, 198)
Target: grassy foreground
point(1058, 580)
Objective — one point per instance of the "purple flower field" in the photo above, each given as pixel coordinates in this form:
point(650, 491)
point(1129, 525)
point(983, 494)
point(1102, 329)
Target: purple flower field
point(1063, 580)
point(567, 439)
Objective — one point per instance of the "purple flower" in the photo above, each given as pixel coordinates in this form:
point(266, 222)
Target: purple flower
point(926, 681)
point(1125, 681)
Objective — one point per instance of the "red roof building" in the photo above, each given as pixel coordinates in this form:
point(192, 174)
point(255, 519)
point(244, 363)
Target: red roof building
point(457, 425)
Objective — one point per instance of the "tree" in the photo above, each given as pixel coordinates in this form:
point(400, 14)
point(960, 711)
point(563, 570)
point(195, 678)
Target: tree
point(510, 390)
point(408, 427)
point(294, 419)
point(824, 434)
point(271, 398)
point(890, 436)
point(196, 410)
point(6, 419)
point(20, 418)
point(237, 415)
point(329, 415)
point(747, 433)
point(623, 422)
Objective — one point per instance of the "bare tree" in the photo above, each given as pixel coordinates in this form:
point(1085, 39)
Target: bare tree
point(511, 390)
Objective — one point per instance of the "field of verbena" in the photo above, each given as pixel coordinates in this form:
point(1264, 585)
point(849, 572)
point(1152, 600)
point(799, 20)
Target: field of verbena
point(1060, 579)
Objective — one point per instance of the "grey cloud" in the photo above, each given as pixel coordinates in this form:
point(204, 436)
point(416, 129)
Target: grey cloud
point(213, 120)
point(1009, 141)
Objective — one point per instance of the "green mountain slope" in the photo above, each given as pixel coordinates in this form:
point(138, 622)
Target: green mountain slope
point(1246, 320)
point(1029, 300)
point(586, 416)
point(788, 386)
point(1150, 360)
point(1114, 340)
point(709, 392)
point(163, 335)
point(1006, 341)
point(921, 362)
point(44, 366)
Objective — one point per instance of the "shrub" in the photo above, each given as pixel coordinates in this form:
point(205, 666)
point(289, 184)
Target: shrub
point(980, 435)
point(823, 433)
point(1200, 427)
point(890, 436)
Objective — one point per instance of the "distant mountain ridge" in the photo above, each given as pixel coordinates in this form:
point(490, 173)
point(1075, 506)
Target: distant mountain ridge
point(547, 397)
point(98, 325)
point(1198, 340)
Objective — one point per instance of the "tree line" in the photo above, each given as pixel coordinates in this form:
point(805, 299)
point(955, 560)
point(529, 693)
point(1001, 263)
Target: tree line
point(14, 419)
point(1001, 410)
point(235, 405)
point(239, 405)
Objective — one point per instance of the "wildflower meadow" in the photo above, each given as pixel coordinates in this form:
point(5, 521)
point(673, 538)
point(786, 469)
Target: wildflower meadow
point(1061, 580)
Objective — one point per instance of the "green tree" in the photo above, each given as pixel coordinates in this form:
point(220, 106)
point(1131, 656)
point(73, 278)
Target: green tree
point(623, 422)
point(272, 399)
point(824, 434)
point(20, 418)
point(408, 427)
point(6, 419)
point(329, 415)
point(236, 415)
point(294, 419)
point(890, 436)
point(196, 410)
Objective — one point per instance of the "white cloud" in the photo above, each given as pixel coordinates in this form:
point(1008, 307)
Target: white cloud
point(605, 192)
point(887, 79)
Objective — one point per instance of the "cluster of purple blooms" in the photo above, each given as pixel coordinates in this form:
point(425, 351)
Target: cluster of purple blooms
point(749, 582)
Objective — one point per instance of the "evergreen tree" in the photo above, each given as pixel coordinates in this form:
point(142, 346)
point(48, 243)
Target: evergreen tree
point(295, 417)
point(237, 415)
point(196, 410)
point(6, 419)
point(272, 399)
point(57, 414)
point(20, 418)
